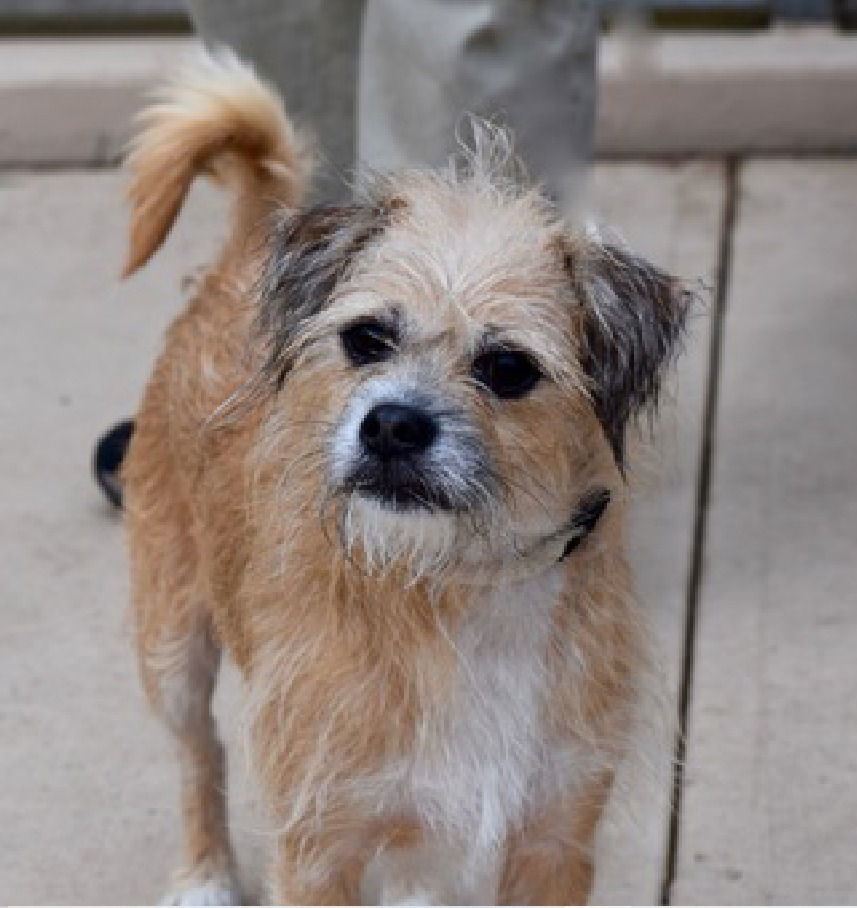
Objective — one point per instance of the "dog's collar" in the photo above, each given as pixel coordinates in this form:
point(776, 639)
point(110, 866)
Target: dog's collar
point(550, 550)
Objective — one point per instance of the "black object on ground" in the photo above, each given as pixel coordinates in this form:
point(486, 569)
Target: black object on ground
point(107, 459)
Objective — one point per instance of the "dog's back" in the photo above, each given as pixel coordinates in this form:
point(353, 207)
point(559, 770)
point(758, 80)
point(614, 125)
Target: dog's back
point(216, 118)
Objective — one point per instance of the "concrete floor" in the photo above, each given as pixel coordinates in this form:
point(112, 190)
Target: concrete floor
point(88, 795)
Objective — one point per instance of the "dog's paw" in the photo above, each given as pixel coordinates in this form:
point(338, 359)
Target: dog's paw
point(217, 891)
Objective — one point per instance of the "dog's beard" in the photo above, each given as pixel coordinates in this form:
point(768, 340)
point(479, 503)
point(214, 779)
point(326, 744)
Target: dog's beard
point(428, 523)
point(401, 485)
point(422, 513)
point(425, 542)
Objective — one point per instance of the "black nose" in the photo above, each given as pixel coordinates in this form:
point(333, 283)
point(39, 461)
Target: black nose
point(396, 430)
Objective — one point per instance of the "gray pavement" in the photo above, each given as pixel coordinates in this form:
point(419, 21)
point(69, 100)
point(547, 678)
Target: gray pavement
point(771, 798)
point(88, 795)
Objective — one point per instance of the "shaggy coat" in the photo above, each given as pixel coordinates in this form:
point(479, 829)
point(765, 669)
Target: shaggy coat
point(437, 697)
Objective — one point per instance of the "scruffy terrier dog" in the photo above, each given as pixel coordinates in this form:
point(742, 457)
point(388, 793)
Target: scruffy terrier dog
point(381, 461)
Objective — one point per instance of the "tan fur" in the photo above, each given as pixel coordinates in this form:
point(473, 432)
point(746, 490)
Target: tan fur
point(353, 655)
point(215, 117)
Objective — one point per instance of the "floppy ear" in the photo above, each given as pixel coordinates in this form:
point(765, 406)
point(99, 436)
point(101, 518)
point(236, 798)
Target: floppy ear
point(633, 319)
point(309, 253)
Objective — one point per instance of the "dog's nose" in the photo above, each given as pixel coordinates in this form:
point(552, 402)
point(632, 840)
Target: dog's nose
point(397, 430)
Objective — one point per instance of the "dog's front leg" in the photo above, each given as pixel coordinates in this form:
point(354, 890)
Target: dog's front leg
point(550, 860)
point(429, 872)
point(311, 873)
point(420, 872)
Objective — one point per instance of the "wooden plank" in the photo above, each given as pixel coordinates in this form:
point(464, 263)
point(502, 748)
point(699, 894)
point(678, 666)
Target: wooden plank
point(672, 215)
point(769, 808)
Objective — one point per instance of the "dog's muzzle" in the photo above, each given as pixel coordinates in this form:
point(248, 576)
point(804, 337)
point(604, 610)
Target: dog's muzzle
point(394, 465)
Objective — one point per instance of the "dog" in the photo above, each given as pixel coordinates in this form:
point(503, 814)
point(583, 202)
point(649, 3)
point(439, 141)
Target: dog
point(382, 462)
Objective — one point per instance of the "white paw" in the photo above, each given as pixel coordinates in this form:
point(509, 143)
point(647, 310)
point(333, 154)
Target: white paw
point(207, 892)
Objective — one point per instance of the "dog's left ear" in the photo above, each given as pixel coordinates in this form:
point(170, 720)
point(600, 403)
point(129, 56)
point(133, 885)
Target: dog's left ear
point(309, 253)
point(633, 317)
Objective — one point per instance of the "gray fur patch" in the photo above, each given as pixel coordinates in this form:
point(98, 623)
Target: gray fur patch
point(634, 320)
point(309, 254)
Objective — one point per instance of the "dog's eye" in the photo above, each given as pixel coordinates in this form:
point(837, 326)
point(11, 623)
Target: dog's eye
point(508, 373)
point(367, 342)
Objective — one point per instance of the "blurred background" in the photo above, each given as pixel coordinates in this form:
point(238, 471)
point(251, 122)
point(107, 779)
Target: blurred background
point(725, 148)
point(161, 16)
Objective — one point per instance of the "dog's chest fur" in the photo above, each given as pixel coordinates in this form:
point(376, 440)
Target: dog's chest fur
point(480, 758)
point(475, 759)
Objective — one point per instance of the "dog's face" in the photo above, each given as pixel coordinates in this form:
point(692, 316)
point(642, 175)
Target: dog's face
point(454, 370)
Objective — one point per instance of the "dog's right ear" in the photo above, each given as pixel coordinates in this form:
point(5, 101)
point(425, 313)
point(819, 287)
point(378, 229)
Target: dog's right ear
point(309, 253)
point(633, 316)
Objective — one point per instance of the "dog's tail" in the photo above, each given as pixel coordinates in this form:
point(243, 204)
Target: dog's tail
point(215, 117)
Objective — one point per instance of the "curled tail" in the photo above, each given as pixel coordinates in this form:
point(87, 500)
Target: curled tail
point(215, 117)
